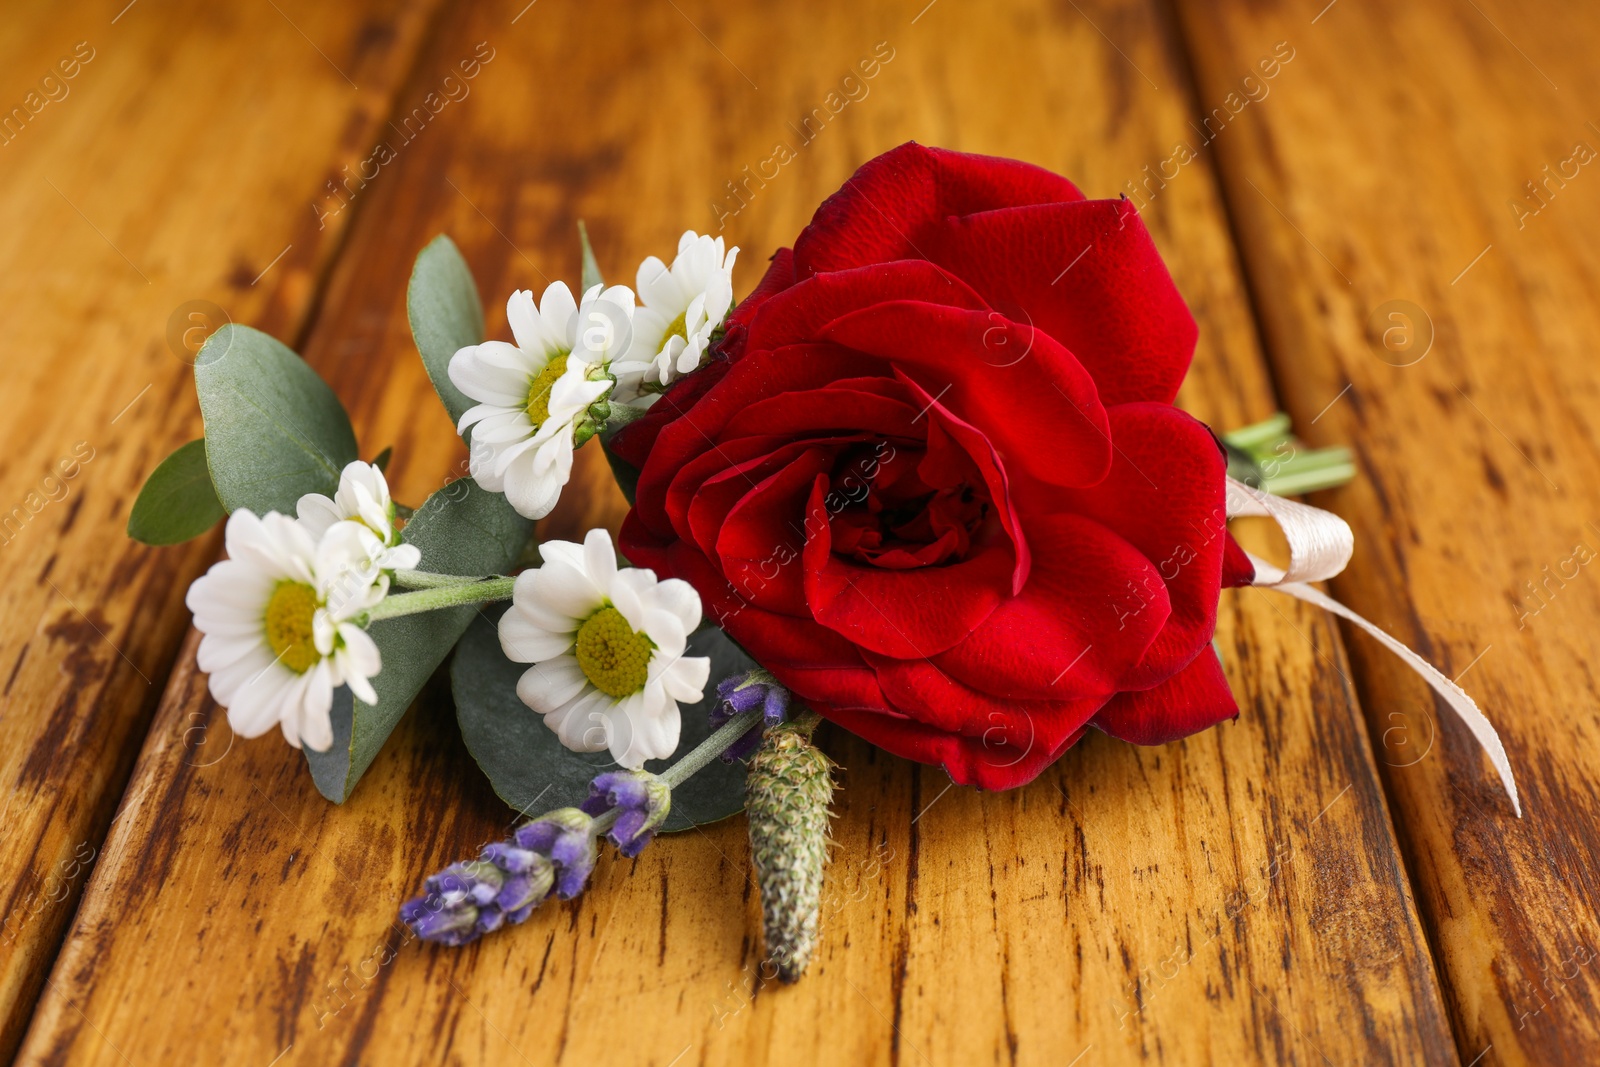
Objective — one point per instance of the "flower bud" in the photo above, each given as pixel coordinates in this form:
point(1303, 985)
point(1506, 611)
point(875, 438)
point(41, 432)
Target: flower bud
point(787, 794)
point(644, 799)
point(565, 835)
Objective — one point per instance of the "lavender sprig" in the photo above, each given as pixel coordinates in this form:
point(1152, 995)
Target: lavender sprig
point(642, 801)
point(742, 693)
point(556, 851)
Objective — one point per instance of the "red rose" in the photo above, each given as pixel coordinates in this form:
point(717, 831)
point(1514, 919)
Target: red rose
point(935, 482)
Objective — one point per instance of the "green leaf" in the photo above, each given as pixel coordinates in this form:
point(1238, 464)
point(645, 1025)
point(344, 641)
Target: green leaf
point(274, 430)
point(461, 529)
point(591, 267)
point(177, 501)
point(446, 315)
point(533, 772)
point(381, 461)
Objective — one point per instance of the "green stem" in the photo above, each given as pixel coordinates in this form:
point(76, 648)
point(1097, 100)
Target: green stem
point(429, 580)
point(1316, 459)
point(710, 748)
point(444, 596)
point(1309, 481)
point(1256, 434)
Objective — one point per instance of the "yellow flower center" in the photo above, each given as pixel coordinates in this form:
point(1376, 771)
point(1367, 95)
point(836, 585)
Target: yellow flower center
point(612, 655)
point(290, 610)
point(678, 327)
point(539, 390)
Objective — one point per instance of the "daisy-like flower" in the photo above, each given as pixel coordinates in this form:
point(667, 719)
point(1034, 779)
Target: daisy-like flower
point(679, 309)
point(276, 615)
point(534, 396)
point(363, 496)
point(607, 648)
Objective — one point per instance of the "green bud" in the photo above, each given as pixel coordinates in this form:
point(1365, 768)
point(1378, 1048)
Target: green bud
point(787, 792)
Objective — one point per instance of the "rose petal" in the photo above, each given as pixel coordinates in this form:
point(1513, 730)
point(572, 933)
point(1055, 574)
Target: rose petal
point(1190, 701)
point(882, 209)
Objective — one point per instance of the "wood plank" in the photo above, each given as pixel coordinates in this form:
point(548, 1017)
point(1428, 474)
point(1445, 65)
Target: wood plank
point(1390, 162)
point(1235, 897)
point(147, 169)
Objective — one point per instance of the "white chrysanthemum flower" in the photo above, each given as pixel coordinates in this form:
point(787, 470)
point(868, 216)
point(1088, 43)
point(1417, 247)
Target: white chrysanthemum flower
point(607, 648)
point(363, 496)
point(533, 396)
point(679, 308)
point(276, 618)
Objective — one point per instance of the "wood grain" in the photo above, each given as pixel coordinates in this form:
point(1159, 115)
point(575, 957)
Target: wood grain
point(153, 159)
point(1390, 163)
point(1236, 897)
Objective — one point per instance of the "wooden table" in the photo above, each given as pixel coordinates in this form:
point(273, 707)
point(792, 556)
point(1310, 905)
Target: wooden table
point(1334, 878)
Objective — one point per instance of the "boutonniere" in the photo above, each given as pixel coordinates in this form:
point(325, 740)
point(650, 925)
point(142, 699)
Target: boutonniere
point(926, 482)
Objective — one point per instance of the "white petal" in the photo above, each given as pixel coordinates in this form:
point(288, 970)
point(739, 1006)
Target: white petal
point(361, 653)
point(666, 630)
point(599, 557)
point(547, 687)
point(680, 598)
point(259, 704)
point(402, 558)
point(524, 641)
point(684, 680)
point(522, 315)
point(627, 591)
point(558, 311)
point(317, 512)
point(566, 589)
point(495, 372)
point(568, 552)
point(582, 725)
point(534, 482)
point(316, 704)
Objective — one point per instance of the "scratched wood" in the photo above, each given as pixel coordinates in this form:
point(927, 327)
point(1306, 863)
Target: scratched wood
point(150, 157)
point(1392, 162)
point(1238, 897)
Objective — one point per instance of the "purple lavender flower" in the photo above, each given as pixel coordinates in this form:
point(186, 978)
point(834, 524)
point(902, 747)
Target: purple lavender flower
point(644, 800)
point(746, 692)
point(565, 835)
point(469, 899)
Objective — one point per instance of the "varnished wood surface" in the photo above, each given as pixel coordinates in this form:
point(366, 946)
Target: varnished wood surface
point(1391, 163)
point(165, 163)
point(1238, 897)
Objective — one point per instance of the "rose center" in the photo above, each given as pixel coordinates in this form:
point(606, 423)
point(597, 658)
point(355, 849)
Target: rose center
point(539, 390)
point(612, 655)
point(288, 623)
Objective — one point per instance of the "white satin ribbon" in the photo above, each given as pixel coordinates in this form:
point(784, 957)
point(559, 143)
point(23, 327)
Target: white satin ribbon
point(1320, 544)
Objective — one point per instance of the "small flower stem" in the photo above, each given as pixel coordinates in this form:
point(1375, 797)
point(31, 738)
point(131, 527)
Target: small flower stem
point(710, 748)
point(1250, 438)
point(429, 580)
point(479, 591)
point(807, 721)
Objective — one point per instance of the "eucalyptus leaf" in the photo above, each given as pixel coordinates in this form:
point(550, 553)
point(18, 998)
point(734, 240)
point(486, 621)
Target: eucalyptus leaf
point(446, 315)
point(178, 501)
point(591, 266)
point(274, 430)
point(461, 529)
point(533, 772)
